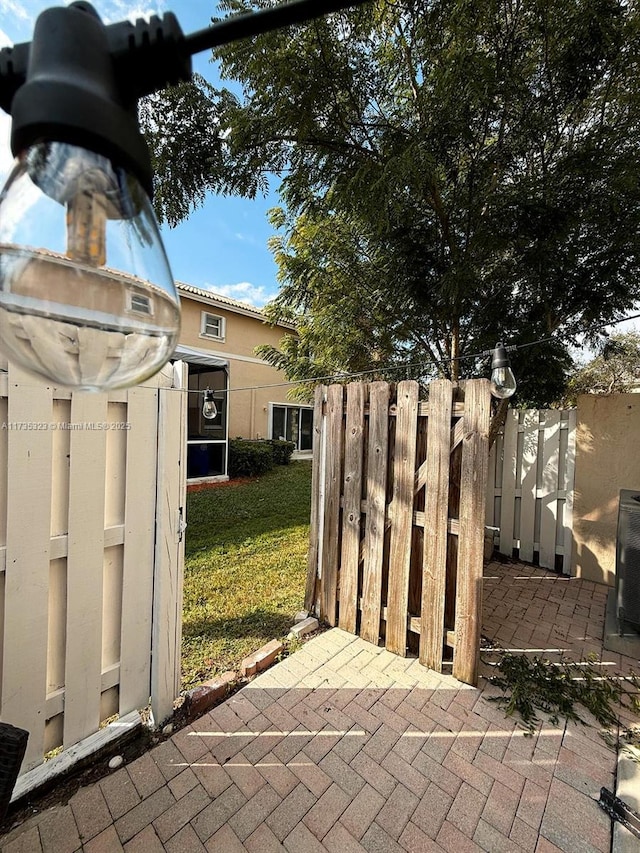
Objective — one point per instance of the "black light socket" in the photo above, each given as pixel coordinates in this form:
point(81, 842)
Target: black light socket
point(83, 79)
point(499, 356)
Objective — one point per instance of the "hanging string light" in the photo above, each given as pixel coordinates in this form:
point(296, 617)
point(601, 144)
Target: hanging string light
point(209, 408)
point(418, 365)
point(503, 382)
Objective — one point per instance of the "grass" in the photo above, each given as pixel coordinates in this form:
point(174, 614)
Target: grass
point(245, 568)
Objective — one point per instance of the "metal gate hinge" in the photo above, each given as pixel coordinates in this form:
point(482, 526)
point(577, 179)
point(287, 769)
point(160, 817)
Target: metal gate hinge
point(618, 810)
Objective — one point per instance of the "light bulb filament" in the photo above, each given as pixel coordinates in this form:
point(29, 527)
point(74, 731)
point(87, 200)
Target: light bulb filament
point(87, 229)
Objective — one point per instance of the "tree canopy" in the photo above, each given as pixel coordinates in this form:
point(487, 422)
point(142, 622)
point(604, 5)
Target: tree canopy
point(614, 369)
point(452, 173)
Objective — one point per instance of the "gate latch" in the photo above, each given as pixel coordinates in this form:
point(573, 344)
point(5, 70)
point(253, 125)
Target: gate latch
point(182, 524)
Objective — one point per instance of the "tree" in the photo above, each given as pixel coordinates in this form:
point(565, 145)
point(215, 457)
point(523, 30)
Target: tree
point(453, 173)
point(615, 369)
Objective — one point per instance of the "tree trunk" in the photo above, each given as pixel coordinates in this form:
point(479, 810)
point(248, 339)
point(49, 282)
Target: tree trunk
point(455, 352)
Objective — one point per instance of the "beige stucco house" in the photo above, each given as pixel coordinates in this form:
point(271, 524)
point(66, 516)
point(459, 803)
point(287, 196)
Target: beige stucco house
point(218, 340)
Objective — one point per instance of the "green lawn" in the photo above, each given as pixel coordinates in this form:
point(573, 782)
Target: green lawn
point(245, 568)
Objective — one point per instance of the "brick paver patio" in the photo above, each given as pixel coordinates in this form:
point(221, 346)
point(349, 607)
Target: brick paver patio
point(343, 747)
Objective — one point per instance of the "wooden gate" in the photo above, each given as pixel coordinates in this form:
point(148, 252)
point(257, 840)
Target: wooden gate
point(91, 491)
point(398, 514)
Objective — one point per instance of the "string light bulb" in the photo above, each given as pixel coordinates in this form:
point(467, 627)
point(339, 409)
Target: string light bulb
point(503, 382)
point(209, 408)
point(87, 298)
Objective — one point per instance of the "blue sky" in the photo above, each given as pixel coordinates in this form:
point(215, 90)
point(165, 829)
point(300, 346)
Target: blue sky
point(223, 245)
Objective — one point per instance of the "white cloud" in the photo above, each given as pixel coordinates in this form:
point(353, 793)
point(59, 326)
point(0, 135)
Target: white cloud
point(5, 41)
point(14, 9)
point(244, 291)
point(121, 10)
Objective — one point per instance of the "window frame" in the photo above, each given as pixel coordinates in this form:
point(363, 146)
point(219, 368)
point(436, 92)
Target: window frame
point(204, 315)
point(300, 407)
point(131, 309)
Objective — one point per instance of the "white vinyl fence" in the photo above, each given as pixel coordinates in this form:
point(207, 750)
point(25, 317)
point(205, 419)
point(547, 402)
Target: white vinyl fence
point(530, 488)
point(91, 491)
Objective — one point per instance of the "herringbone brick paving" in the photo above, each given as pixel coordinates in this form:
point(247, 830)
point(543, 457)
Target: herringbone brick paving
point(346, 748)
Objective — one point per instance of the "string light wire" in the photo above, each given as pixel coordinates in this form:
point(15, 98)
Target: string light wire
point(432, 363)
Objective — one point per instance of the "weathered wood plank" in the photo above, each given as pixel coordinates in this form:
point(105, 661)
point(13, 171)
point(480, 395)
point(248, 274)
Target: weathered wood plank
point(457, 434)
point(528, 484)
point(402, 516)
point(353, 459)
point(85, 558)
point(137, 569)
point(24, 672)
point(379, 393)
point(475, 455)
point(508, 486)
point(333, 482)
point(548, 490)
point(434, 569)
point(317, 499)
point(456, 438)
point(423, 410)
point(418, 521)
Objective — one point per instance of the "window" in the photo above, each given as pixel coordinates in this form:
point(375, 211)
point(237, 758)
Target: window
point(212, 326)
point(206, 439)
point(293, 423)
point(140, 303)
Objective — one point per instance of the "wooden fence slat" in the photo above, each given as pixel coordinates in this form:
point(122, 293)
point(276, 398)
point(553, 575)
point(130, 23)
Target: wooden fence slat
point(331, 532)
point(475, 455)
point(375, 522)
point(317, 499)
point(569, 475)
point(85, 558)
point(24, 676)
point(548, 490)
point(509, 473)
point(353, 460)
point(434, 571)
point(137, 572)
point(402, 515)
point(528, 484)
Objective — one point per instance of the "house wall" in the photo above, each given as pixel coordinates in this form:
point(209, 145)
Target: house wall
point(607, 460)
point(248, 410)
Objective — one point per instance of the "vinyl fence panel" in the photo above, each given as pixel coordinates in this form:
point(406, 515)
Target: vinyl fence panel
point(532, 467)
point(80, 518)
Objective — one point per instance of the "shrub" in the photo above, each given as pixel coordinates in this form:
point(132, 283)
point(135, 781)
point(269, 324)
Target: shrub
point(249, 458)
point(282, 451)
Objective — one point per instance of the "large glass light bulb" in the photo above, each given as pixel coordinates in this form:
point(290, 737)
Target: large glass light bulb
point(209, 408)
point(503, 382)
point(87, 298)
